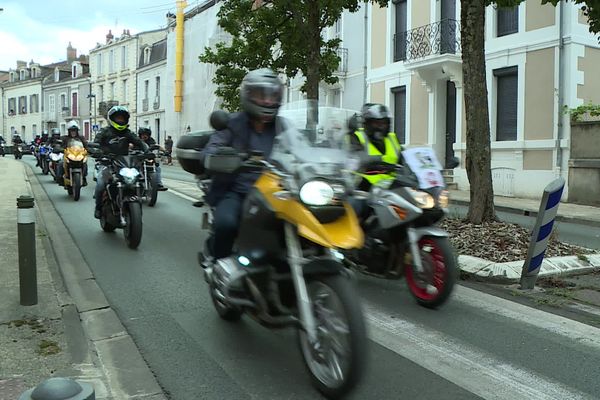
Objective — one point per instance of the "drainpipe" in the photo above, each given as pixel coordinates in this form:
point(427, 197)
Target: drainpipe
point(561, 88)
point(181, 4)
point(366, 51)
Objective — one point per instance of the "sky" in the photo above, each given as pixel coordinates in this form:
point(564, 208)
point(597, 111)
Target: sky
point(41, 30)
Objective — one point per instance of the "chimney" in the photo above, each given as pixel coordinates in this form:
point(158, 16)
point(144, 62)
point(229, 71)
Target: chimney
point(124, 32)
point(71, 53)
point(109, 36)
point(128, 33)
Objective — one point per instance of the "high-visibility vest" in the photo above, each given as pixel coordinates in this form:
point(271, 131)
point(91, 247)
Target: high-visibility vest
point(392, 149)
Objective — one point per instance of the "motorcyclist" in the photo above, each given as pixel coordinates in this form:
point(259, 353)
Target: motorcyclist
point(17, 140)
point(114, 139)
point(2, 141)
point(252, 129)
point(72, 133)
point(37, 140)
point(145, 134)
point(377, 142)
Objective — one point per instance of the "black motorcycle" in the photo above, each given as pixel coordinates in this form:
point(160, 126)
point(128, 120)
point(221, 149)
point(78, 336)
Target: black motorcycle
point(121, 201)
point(18, 151)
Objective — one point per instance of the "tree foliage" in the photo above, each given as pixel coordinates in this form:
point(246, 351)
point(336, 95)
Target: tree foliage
point(284, 35)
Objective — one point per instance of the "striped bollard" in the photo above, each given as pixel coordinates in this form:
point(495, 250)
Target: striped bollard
point(541, 232)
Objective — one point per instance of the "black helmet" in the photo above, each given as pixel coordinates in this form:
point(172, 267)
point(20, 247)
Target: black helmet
point(144, 131)
point(115, 112)
point(261, 93)
point(376, 119)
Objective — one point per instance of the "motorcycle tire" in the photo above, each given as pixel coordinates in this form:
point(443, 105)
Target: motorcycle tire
point(76, 186)
point(45, 167)
point(70, 190)
point(441, 271)
point(152, 190)
point(105, 225)
point(342, 293)
point(133, 225)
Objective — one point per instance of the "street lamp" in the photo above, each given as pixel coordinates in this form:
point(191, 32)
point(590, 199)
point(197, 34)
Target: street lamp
point(92, 97)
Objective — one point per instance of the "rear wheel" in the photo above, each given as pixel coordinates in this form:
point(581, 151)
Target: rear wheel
point(433, 287)
point(337, 360)
point(76, 184)
point(133, 225)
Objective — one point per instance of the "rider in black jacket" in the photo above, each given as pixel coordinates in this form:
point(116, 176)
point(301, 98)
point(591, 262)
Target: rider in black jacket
point(145, 134)
point(114, 139)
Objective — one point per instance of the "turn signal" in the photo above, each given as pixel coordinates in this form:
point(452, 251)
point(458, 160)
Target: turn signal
point(400, 212)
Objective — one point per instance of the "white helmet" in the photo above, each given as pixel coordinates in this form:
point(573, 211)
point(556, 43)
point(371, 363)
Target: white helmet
point(72, 125)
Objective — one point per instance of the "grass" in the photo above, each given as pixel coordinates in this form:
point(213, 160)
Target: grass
point(48, 348)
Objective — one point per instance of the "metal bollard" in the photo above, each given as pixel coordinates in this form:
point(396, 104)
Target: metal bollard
point(60, 389)
point(541, 232)
point(27, 256)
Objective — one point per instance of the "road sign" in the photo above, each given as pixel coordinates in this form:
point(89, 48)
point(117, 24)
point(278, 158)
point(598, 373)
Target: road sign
point(95, 128)
point(541, 232)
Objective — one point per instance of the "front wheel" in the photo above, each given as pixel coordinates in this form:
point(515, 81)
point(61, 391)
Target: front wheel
point(433, 287)
point(45, 167)
point(133, 224)
point(152, 190)
point(337, 360)
point(76, 185)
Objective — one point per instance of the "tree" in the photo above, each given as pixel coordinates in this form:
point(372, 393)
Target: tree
point(478, 149)
point(284, 35)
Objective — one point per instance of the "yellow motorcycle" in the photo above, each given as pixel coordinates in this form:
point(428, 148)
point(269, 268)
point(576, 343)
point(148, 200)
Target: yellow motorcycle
point(74, 162)
point(286, 270)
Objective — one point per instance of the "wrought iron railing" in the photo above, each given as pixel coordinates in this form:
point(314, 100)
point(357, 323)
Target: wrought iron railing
point(439, 38)
point(342, 53)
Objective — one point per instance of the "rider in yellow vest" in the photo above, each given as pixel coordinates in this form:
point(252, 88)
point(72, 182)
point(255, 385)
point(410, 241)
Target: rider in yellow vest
point(376, 140)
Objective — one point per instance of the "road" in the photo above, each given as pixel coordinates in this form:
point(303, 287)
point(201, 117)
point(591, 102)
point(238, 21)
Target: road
point(477, 346)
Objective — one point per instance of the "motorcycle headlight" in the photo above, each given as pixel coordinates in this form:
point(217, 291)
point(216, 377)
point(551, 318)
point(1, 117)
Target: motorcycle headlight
point(444, 199)
point(129, 174)
point(424, 200)
point(316, 193)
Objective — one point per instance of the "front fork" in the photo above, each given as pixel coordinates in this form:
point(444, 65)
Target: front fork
point(295, 258)
point(413, 240)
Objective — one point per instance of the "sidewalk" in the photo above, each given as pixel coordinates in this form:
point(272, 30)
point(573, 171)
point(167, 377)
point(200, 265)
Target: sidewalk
point(72, 332)
point(567, 212)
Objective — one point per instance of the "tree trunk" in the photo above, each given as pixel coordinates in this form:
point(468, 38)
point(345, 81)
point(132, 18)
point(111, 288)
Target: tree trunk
point(478, 157)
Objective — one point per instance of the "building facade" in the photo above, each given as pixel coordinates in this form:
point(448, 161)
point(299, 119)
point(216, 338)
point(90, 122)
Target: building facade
point(65, 95)
point(539, 59)
point(199, 100)
point(113, 68)
point(151, 85)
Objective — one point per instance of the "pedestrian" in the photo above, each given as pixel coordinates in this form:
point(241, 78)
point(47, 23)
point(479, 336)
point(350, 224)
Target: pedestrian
point(169, 148)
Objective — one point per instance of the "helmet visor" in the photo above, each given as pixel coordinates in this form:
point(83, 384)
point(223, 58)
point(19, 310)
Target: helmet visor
point(265, 95)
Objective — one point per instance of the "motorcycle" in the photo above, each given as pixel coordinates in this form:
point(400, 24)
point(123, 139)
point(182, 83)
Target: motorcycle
point(399, 224)
point(2, 152)
point(18, 151)
point(44, 157)
point(75, 161)
point(121, 201)
point(286, 269)
point(56, 157)
point(150, 178)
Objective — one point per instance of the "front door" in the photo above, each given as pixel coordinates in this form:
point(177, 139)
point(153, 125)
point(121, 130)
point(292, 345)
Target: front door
point(450, 120)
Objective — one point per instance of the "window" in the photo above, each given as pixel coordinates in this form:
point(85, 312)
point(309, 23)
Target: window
point(101, 93)
point(508, 20)
point(23, 105)
point(34, 129)
point(146, 87)
point(338, 27)
point(63, 100)
point(12, 106)
point(146, 55)
point(125, 91)
point(74, 71)
point(112, 90)
point(400, 8)
point(74, 104)
point(51, 105)
point(400, 113)
point(124, 57)
point(34, 104)
point(99, 62)
point(506, 103)
point(111, 61)
point(157, 91)
point(22, 75)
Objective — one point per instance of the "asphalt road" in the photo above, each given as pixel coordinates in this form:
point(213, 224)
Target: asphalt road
point(477, 346)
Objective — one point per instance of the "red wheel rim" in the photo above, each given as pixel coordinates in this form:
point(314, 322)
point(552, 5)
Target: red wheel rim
point(435, 272)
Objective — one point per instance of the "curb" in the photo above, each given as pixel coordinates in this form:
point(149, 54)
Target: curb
point(531, 213)
point(127, 374)
point(510, 272)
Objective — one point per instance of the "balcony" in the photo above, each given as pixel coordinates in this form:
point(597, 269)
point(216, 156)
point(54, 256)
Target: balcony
point(342, 53)
point(65, 111)
point(433, 51)
point(156, 104)
point(144, 104)
point(104, 106)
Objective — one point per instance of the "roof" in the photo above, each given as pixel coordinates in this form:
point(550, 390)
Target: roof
point(158, 52)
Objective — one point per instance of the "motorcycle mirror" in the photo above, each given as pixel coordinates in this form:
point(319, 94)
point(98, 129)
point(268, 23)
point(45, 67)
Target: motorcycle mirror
point(154, 147)
point(219, 120)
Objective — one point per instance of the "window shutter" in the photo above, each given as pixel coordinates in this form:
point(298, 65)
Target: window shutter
point(400, 113)
point(508, 21)
point(507, 103)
